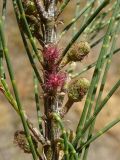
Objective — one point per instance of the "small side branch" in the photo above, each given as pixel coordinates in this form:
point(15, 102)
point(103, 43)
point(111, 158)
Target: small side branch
point(41, 10)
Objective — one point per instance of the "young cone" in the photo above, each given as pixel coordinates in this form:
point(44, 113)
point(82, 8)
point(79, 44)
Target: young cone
point(76, 91)
point(76, 53)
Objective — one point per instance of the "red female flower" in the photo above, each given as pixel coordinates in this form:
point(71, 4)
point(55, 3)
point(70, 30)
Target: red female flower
point(55, 80)
point(51, 53)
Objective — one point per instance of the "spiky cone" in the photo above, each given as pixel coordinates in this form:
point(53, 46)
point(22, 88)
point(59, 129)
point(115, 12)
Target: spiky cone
point(54, 82)
point(21, 141)
point(79, 51)
point(51, 53)
point(76, 53)
point(29, 7)
point(76, 91)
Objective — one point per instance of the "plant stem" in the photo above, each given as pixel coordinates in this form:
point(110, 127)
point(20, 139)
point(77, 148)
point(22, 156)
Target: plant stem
point(50, 99)
point(116, 27)
point(32, 60)
point(86, 16)
point(99, 133)
point(73, 151)
point(92, 118)
point(64, 4)
point(75, 19)
point(66, 108)
point(37, 104)
point(13, 102)
point(96, 42)
point(2, 74)
point(57, 118)
point(20, 108)
point(31, 39)
point(28, 50)
point(95, 79)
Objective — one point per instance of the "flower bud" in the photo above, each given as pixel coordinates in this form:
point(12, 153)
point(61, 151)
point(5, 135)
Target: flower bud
point(79, 51)
point(29, 7)
point(21, 141)
point(78, 89)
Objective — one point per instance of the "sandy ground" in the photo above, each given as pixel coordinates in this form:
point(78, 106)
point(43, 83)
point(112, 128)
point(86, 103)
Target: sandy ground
point(107, 147)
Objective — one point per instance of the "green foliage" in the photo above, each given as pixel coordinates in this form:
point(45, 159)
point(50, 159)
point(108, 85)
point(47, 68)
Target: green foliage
point(38, 21)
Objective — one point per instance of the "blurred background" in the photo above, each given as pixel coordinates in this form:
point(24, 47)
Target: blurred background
point(106, 147)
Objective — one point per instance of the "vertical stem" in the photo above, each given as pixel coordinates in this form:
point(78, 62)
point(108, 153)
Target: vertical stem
point(99, 133)
point(50, 37)
point(1, 61)
point(28, 51)
point(13, 102)
point(31, 39)
point(57, 118)
point(37, 104)
point(95, 80)
point(74, 20)
point(50, 29)
point(93, 117)
point(76, 14)
point(2, 74)
point(116, 26)
point(20, 108)
point(51, 129)
point(50, 101)
point(87, 14)
point(64, 4)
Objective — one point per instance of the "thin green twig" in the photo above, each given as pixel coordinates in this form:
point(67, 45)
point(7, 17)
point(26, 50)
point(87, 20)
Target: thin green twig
point(20, 108)
point(58, 119)
point(99, 22)
point(86, 68)
point(72, 150)
point(13, 102)
point(99, 133)
point(88, 13)
point(28, 50)
point(92, 118)
point(22, 15)
point(64, 4)
point(4, 9)
point(75, 19)
point(116, 26)
point(95, 80)
point(37, 104)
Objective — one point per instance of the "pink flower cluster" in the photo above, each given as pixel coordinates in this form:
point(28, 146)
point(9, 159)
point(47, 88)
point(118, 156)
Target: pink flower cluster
point(51, 53)
point(55, 80)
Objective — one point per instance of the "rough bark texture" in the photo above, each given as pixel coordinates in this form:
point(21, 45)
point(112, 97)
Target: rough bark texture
point(50, 103)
